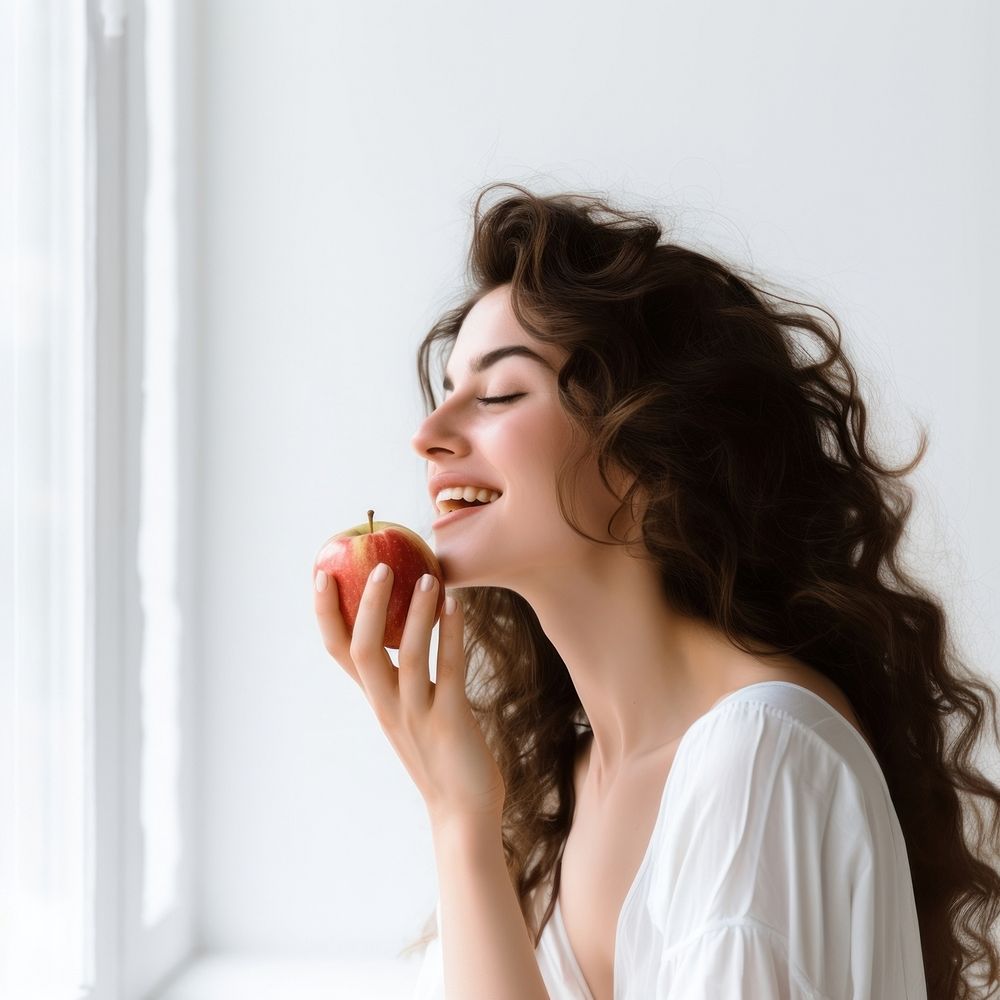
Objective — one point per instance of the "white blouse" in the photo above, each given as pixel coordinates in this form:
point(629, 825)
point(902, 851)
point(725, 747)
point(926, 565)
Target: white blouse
point(776, 869)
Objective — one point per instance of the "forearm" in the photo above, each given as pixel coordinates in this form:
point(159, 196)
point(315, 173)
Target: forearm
point(487, 950)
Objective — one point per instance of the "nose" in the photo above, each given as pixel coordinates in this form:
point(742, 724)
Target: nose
point(436, 434)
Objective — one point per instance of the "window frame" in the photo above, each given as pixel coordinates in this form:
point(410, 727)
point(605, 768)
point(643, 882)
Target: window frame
point(131, 961)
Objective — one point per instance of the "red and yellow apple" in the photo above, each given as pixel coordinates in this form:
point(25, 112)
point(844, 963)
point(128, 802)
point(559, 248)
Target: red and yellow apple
point(349, 556)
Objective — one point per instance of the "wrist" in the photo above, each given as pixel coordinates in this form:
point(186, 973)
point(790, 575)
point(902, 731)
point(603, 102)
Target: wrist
point(462, 829)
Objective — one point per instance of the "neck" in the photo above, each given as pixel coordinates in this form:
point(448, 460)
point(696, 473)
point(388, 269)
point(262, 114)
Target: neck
point(643, 672)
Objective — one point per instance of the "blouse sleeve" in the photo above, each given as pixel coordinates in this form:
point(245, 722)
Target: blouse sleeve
point(761, 886)
point(430, 980)
point(430, 985)
point(738, 960)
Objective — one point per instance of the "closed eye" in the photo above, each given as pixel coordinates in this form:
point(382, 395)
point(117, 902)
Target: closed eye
point(489, 400)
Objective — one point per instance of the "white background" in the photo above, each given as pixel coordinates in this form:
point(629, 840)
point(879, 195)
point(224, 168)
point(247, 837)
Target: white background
point(846, 150)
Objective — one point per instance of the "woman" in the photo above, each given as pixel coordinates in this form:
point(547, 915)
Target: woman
point(701, 750)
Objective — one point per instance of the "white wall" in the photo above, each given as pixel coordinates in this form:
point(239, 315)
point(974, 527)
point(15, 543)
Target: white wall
point(848, 150)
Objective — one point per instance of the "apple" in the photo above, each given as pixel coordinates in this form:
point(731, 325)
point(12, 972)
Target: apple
point(349, 556)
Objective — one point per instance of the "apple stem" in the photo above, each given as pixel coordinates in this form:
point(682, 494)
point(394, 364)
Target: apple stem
point(371, 521)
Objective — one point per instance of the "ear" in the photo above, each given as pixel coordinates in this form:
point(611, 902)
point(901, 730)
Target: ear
point(622, 482)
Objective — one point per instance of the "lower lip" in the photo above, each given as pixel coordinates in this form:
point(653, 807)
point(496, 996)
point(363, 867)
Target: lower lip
point(456, 514)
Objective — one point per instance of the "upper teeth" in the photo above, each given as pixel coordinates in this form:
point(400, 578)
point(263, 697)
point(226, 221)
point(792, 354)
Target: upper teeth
point(469, 493)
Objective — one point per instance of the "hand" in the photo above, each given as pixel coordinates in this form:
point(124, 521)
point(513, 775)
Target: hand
point(430, 725)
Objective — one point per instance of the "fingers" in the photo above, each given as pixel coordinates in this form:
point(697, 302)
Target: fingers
point(414, 647)
point(449, 687)
point(362, 653)
point(332, 627)
point(378, 673)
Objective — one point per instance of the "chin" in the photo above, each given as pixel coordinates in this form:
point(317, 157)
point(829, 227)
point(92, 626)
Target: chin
point(454, 578)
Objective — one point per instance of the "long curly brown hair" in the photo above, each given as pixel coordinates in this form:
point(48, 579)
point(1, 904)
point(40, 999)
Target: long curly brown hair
point(770, 518)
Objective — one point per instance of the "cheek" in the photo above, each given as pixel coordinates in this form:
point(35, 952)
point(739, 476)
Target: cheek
point(527, 448)
point(525, 439)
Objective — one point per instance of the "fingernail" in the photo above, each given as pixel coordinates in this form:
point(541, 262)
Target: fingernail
point(380, 572)
point(320, 580)
point(426, 582)
point(449, 605)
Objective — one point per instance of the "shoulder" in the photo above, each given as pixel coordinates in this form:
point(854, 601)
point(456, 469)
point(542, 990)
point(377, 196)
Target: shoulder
point(758, 819)
point(755, 789)
point(756, 735)
point(778, 728)
point(776, 817)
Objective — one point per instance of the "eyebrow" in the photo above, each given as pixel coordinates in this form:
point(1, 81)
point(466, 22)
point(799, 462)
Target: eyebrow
point(490, 358)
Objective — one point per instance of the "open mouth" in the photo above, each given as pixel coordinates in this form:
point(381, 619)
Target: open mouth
point(451, 505)
point(454, 498)
point(460, 508)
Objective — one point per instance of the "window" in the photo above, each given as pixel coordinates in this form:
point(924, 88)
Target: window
point(46, 878)
point(94, 893)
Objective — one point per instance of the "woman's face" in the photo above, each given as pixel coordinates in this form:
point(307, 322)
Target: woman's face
point(514, 447)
